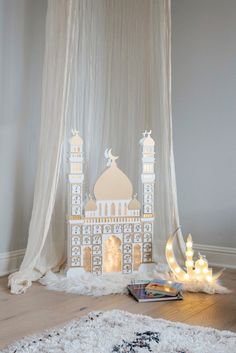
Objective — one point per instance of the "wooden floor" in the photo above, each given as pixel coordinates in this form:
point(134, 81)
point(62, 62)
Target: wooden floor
point(41, 309)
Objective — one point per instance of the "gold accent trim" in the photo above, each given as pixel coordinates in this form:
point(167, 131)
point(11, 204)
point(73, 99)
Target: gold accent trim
point(75, 218)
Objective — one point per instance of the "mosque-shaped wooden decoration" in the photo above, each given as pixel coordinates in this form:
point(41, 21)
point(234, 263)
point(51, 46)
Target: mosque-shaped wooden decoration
point(113, 231)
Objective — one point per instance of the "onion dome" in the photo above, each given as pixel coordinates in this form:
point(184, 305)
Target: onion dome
point(134, 204)
point(91, 204)
point(113, 184)
point(147, 140)
point(76, 139)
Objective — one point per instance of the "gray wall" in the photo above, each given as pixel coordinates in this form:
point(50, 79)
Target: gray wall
point(204, 117)
point(204, 109)
point(22, 24)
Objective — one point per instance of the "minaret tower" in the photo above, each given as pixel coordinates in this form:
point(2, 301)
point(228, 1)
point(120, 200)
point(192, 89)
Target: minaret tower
point(148, 174)
point(76, 177)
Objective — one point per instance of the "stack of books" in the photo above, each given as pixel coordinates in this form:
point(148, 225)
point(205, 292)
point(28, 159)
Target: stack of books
point(156, 290)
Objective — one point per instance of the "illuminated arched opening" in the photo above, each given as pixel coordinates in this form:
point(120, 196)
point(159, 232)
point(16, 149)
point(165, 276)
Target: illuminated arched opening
point(112, 255)
point(87, 259)
point(136, 257)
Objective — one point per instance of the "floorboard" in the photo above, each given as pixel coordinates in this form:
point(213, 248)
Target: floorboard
point(40, 309)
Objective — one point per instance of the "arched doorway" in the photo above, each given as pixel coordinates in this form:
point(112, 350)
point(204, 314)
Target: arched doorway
point(112, 255)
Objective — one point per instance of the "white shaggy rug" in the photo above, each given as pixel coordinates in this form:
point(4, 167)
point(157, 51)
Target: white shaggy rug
point(113, 283)
point(121, 332)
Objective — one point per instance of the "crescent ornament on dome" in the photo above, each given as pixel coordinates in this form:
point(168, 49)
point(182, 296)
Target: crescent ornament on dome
point(75, 132)
point(147, 133)
point(111, 159)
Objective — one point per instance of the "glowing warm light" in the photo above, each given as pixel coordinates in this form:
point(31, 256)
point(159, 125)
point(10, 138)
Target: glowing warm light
point(189, 263)
point(112, 255)
point(189, 253)
point(194, 270)
point(209, 278)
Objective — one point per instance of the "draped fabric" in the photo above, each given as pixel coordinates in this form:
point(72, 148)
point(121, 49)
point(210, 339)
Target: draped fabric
point(107, 74)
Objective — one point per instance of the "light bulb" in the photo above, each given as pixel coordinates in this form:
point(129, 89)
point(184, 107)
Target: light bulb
point(189, 253)
point(177, 270)
point(205, 270)
point(169, 246)
point(171, 259)
point(197, 270)
point(189, 244)
point(209, 278)
point(189, 263)
point(186, 276)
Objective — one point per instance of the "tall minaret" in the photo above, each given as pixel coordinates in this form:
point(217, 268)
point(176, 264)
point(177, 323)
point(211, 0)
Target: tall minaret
point(76, 176)
point(148, 174)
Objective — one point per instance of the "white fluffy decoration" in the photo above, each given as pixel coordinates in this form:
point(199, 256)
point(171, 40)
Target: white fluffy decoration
point(113, 283)
point(120, 332)
point(89, 284)
point(200, 286)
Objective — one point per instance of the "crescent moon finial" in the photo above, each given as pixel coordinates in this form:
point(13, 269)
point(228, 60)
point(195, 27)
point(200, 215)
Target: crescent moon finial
point(111, 159)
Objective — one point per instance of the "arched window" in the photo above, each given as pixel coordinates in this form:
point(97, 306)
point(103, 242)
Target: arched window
point(100, 209)
point(113, 209)
point(106, 210)
point(125, 209)
point(119, 210)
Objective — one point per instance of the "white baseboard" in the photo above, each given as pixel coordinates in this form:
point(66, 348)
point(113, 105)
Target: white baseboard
point(218, 255)
point(10, 261)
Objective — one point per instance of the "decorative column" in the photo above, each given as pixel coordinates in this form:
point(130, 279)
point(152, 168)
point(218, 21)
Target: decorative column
point(75, 203)
point(148, 180)
point(148, 174)
point(76, 176)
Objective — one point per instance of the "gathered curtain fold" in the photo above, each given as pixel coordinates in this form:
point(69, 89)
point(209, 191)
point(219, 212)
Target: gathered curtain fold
point(107, 73)
point(60, 29)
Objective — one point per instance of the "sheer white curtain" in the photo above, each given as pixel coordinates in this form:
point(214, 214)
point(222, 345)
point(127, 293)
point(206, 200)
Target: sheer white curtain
point(107, 74)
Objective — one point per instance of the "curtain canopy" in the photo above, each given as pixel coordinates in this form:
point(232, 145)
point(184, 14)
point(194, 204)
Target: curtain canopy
point(107, 74)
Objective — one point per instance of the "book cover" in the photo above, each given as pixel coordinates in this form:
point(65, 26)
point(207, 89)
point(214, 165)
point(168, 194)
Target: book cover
point(139, 293)
point(159, 286)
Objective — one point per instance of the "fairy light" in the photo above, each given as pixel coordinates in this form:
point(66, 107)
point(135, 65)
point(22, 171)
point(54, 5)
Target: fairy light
point(189, 255)
point(195, 271)
point(209, 278)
